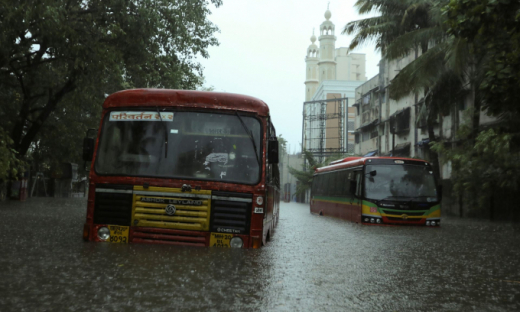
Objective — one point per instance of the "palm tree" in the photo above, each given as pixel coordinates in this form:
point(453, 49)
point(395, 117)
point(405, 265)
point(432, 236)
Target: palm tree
point(441, 71)
point(397, 18)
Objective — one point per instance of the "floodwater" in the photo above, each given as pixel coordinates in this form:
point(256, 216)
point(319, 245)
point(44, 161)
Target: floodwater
point(313, 263)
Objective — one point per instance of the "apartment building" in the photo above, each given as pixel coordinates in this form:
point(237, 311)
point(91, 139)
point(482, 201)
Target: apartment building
point(386, 127)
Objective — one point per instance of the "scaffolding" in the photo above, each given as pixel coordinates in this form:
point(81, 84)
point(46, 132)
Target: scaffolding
point(321, 120)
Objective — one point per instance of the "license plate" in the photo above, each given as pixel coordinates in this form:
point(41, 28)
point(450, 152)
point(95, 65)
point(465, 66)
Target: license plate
point(220, 240)
point(118, 234)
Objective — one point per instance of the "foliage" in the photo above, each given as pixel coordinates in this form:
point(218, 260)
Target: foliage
point(59, 59)
point(481, 168)
point(491, 27)
point(464, 49)
point(203, 87)
point(412, 27)
point(10, 165)
point(398, 17)
point(282, 146)
point(304, 176)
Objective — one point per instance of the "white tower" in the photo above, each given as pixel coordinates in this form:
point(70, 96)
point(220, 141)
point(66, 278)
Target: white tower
point(326, 62)
point(311, 78)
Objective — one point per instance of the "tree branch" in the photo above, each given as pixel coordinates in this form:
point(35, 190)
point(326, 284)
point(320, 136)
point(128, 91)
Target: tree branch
point(47, 110)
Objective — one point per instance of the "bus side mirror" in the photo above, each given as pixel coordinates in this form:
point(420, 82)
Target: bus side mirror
point(88, 149)
point(272, 150)
point(439, 192)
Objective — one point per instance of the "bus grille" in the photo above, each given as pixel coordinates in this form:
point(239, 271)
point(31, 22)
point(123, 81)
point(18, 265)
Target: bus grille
point(231, 212)
point(186, 216)
point(113, 208)
point(166, 236)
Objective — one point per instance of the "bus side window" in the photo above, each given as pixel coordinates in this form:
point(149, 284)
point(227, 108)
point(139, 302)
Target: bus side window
point(313, 185)
point(343, 183)
point(358, 183)
point(349, 183)
point(334, 185)
point(329, 184)
point(325, 185)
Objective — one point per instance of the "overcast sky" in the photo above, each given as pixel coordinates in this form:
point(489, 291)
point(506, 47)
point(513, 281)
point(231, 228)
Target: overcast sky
point(262, 51)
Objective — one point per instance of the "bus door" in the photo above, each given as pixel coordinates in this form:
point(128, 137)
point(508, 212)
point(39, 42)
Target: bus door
point(356, 186)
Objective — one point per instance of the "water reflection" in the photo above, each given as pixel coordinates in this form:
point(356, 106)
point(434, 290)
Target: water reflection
point(312, 263)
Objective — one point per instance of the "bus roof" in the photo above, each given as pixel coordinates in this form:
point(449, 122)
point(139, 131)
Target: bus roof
point(184, 98)
point(359, 161)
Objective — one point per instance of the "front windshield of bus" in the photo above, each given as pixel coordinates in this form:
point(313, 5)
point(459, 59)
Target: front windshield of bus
point(400, 182)
point(203, 146)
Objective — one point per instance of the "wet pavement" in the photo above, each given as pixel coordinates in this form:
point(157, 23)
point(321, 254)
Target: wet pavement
point(312, 264)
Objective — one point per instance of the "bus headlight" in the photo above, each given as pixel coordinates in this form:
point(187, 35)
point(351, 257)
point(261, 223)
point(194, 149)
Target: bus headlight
point(434, 223)
point(259, 200)
point(103, 233)
point(236, 242)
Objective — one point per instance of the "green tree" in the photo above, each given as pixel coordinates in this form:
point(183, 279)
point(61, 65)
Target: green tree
point(417, 26)
point(282, 146)
point(10, 165)
point(304, 176)
point(56, 55)
point(491, 28)
point(464, 49)
point(481, 168)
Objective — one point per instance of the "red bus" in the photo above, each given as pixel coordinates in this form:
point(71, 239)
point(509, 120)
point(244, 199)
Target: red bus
point(377, 190)
point(184, 168)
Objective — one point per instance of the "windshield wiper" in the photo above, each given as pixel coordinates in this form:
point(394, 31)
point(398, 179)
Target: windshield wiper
point(407, 197)
point(424, 196)
point(394, 196)
point(250, 134)
point(165, 133)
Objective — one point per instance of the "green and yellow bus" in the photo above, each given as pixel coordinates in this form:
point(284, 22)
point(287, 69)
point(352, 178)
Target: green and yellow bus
point(378, 190)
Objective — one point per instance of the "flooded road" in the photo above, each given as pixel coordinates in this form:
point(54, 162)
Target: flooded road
point(312, 264)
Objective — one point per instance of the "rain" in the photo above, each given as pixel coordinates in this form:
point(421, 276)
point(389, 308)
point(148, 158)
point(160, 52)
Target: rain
point(312, 263)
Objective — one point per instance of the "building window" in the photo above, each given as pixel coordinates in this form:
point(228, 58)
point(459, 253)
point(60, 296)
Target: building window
point(373, 134)
point(365, 136)
point(402, 120)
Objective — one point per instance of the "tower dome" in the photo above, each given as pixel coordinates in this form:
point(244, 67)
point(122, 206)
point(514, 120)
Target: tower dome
point(312, 74)
point(312, 50)
point(327, 27)
point(327, 50)
point(327, 14)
